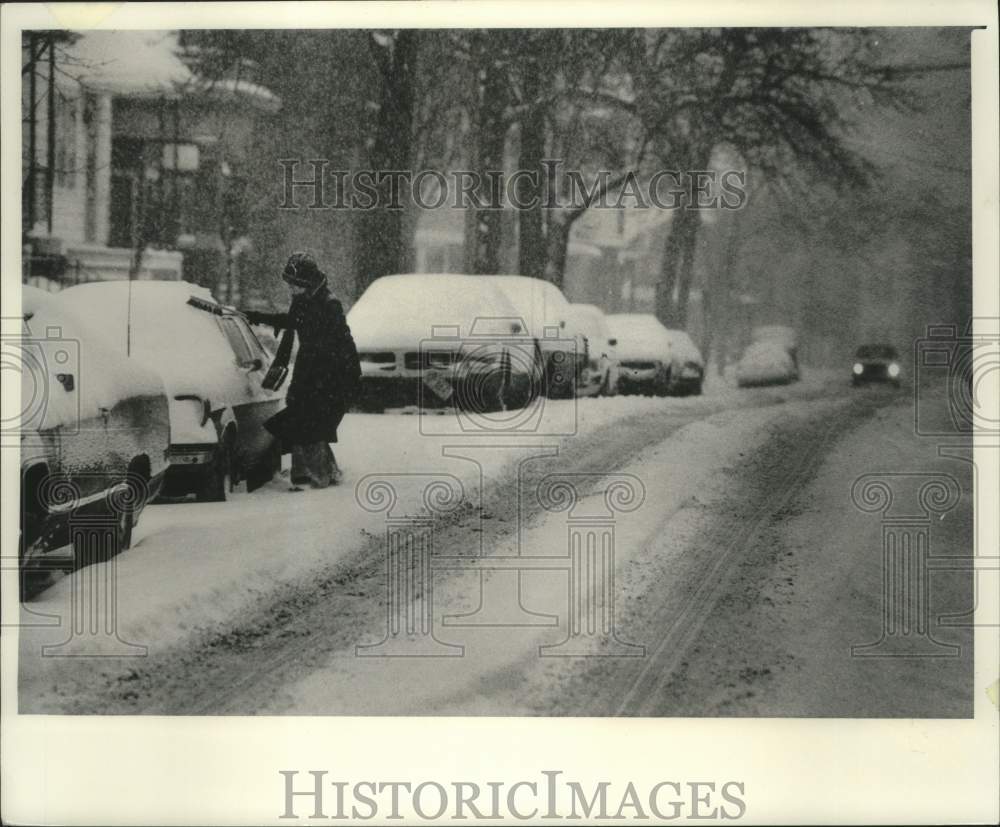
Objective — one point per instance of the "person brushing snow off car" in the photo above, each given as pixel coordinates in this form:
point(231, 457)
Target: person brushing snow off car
point(326, 374)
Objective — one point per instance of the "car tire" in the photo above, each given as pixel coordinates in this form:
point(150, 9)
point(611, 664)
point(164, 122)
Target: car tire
point(266, 468)
point(122, 507)
point(218, 479)
point(33, 582)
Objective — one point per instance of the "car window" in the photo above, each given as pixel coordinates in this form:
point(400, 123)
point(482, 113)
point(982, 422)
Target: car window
point(257, 350)
point(876, 352)
point(236, 340)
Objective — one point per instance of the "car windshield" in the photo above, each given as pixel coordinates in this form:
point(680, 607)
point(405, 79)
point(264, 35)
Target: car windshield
point(876, 352)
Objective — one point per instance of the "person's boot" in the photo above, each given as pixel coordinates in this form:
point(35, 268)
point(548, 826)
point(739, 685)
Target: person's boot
point(300, 468)
point(319, 462)
point(336, 476)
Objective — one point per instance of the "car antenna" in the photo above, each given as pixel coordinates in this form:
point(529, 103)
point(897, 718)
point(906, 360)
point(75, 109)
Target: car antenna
point(128, 318)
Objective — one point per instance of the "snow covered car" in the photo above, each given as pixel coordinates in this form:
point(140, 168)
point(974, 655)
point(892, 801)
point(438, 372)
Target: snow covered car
point(687, 368)
point(766, 363)
point(782, 335)
point(549, 317)
point(876, 363)
point(644, 353)
point(442, 339)
point(600, 376)
point(212, 366)
point(93, 432)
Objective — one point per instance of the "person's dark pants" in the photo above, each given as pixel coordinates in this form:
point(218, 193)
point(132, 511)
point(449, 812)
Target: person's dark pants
point(315, 464)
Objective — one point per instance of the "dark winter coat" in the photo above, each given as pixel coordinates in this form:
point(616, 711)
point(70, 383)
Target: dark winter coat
point(326, 373)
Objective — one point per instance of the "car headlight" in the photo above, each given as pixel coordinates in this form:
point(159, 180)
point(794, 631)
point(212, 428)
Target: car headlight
point(858, 368)
point(894, 370)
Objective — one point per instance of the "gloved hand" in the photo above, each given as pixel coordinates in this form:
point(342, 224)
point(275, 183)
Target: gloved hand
point(253, 316)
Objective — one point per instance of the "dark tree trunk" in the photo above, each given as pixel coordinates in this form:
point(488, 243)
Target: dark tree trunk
point(685, 270)
point(381, 240)
point(491, 142)
point(717, 300)
point(557, 249)
point(531, 235)
point(677, 267)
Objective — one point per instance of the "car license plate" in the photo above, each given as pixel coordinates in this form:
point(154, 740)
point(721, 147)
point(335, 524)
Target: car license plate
point(435, 380)
point(690, 373)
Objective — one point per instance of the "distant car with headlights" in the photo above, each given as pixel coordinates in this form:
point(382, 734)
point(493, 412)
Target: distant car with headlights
point(600, 376)
point(876, 363)
point(645, 353)
point(443, 340)
point(93, 432)
point(213, 367)
point(687, 368)
point(766, 363)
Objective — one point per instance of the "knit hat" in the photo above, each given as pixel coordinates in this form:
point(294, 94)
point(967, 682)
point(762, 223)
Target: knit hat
point(302, 271)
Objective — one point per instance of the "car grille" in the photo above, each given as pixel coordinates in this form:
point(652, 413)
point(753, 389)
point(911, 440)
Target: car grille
point(379, 358)
point(429, 359)
point(634, 365)
point(875, 372)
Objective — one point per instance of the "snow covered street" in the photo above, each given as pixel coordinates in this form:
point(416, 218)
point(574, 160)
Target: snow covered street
point(237, 627)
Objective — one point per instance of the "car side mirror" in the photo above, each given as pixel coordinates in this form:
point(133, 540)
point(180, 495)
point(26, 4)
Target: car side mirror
point(612, 342)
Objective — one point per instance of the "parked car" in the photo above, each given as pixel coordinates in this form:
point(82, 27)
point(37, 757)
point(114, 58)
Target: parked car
point(212, 365)
point(687, 368)
point(600, 376)
point(876, 363)
point(93, 432)
point(766, 363)
point(442, 339)
point(549, 318)
point(781, 335)
point(645, 353)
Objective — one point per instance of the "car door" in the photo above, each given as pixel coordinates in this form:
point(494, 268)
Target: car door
point(256, 404)
point(245, 366)
point(265, 402)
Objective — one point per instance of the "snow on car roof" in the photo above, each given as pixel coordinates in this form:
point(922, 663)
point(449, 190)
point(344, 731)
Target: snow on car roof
point(590, 319)
point(775, 333)
point(540, 302)
point(182, 343)
point(684, 346)
point(639, 335)
point(58, 341)
point(638, 327)
point(401, 311)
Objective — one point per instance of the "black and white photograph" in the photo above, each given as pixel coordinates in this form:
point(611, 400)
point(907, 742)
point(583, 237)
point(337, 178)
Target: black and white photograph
point(450, 371)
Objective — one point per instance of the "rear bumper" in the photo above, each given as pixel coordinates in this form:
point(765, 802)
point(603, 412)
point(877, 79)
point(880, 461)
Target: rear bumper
point(185, 456)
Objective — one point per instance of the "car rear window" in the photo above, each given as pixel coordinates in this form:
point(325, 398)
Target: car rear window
point(877, 352)
point(236, 340)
